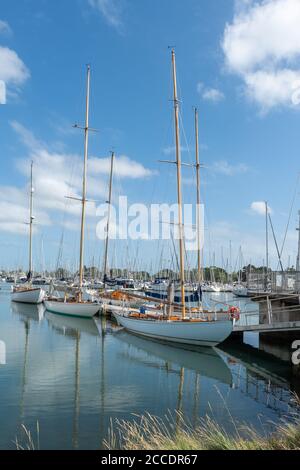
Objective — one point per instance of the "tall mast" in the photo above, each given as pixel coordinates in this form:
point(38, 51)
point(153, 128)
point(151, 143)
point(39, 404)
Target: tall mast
point(86, 141)
point(31, 219)
point(178, 163)
point(298, 260)
point(198, 196)
point(108, 216)
point(267, 244)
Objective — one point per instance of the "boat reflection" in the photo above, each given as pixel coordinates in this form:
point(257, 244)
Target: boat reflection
point(204, 361)
point(28, 312)
point(71, 326)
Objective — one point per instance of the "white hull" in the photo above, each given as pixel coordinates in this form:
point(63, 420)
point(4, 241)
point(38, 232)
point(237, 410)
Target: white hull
point(198, 334)
point(30, 296)
point(73, 309)
point(215, 289)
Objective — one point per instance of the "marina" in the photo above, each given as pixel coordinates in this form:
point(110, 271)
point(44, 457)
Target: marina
point(149, 227)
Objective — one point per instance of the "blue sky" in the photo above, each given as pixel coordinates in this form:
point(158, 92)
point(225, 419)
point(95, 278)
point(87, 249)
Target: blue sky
point(238, 62)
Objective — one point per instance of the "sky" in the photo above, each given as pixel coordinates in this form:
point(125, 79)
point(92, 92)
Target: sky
point(237, 61)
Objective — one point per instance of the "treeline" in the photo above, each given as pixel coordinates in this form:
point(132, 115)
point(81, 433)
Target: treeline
point(209, 274)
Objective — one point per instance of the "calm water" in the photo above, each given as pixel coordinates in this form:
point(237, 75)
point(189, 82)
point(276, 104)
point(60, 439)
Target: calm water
point(74, 376)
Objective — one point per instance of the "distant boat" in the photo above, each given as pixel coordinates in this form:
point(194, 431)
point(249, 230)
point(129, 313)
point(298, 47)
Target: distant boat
point(211, 288)
point(76, 306)
point(240, 291)
point(25, 293)
point(159, 291)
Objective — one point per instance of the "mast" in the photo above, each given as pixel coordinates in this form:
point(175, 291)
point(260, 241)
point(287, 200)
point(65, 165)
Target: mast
point(31, 219)
point(230, 262)
point(86, 141)
point(267, 244)
point(298, 260)
point(198, 196)
point(108, 216)
point(178, 164)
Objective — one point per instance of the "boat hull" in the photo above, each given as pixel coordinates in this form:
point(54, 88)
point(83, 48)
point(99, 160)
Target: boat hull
point(28, 296)
point(197, 334)
point(241, 292)
point(81, 310)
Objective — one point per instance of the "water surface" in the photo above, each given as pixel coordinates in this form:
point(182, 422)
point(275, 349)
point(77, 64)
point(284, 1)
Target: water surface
point(73, 376)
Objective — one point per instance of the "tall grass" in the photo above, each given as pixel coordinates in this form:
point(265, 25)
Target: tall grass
point(26, 440)
point(174, 433)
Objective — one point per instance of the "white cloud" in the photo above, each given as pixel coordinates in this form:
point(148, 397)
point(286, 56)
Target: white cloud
point(5, 28)
point(57, 176)
point(259, 207)
point(12, 68)
point(14, 212)
point(110, 9)
point(262, 46)
point(124, 167)
point(210, 94)
point(223, 167)
point(2, 92)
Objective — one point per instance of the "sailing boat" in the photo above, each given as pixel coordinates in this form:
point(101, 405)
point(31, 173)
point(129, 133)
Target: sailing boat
point(201, 330)
point(78, 307)
point(26, 293)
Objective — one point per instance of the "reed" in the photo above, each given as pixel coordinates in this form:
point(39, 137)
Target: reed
point(174, 433)
point(26, 441)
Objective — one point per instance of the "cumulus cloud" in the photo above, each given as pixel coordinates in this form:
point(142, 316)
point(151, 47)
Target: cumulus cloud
point(262, 46)
point(57, 176)
point(210, 94)
point(124, 167)
point(2, 92)
point(12, 68)
point(259, 207)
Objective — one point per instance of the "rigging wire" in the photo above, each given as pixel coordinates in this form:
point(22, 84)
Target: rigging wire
point(290, 216)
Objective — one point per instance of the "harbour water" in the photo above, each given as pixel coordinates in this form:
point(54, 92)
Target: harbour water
point(74, 376)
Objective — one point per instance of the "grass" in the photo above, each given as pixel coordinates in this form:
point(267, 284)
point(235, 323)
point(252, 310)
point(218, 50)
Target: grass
point(173, 433)
point(26, 441)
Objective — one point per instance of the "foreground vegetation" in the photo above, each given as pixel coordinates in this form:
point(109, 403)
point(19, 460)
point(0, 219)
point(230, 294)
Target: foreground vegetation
point(173, 433)
point(151, 433)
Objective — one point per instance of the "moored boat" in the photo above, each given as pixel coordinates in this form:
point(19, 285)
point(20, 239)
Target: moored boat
point(194, 332)
point(159, 291)
point(198, 327)
point(75, 305)
point(240, 291)
point(27, 295)
point(74, 309)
